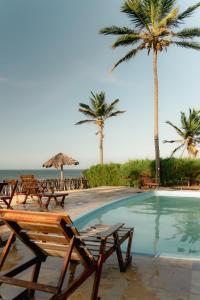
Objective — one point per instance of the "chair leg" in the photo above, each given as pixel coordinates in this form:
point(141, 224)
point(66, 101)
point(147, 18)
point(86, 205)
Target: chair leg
point(62, 201)
point(25, 199)
point(128, 252)
point(123, 265)
point(9, 204)
point(97, 278)
point(35, 275)
point(73, 266)
point(40, 201)
point(119, 253)
point(47, 203)
point(6, 249)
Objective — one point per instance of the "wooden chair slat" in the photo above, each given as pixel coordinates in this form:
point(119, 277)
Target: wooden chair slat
point(46, 245)
point(39, 227)
point(25, 216)
point(48, 238)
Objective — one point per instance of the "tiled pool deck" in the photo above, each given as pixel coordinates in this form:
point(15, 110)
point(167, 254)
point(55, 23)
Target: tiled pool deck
point(147, 278)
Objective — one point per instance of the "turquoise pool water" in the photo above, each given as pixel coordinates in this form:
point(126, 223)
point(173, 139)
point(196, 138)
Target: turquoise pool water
point(163, 225)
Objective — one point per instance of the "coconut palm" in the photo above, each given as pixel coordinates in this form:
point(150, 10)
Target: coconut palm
point(98, 113)
point(189, 133)
point(153, 24)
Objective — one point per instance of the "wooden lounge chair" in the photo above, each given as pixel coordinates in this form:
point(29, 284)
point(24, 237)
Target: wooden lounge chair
point(30, 187)
point(51, 234)
point(147, 182)
point(6, 200)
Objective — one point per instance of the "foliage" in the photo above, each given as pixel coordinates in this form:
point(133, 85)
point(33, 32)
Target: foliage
point(153, 27)
point(177, 171)
point(189, 133)
point(103, 175)
point(134, 168)
point(99, 110)
point(174, 171)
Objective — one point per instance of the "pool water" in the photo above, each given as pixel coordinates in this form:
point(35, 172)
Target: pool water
point(163, 225)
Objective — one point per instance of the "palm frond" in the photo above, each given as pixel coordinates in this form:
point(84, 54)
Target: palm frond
point(170, 18)
point(188, 12)
point(188, 33)
point(83, 105)
point(172, 141)
point(126, 40)
point(113, 103)
point(111, 107)
point(115, 30)
point(88, 112)
point(129, 55)
point(179, 131)
point(115, 113)
point(187, 45)
point(84, 121)
point(184, 122)
point(165, 7)
point(176, 149)
point(135, 11)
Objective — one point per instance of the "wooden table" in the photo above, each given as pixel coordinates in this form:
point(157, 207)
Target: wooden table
point(55, 196)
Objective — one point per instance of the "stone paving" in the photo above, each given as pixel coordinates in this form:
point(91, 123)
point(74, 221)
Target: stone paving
point(146, 279)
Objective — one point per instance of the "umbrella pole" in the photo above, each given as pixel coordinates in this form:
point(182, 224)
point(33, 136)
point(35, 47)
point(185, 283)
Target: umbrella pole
point(61, 178)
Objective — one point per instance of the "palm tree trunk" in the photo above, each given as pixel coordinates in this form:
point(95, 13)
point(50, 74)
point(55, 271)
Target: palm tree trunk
point(101, 143)
point(156, 136)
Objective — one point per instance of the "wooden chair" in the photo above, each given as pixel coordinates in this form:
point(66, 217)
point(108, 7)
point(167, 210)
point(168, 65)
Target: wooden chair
point(31, 188)
point(51, 234)
point(7, 199)
point(147, 182)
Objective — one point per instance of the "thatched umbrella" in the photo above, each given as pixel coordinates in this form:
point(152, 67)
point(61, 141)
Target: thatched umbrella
point(58, 161)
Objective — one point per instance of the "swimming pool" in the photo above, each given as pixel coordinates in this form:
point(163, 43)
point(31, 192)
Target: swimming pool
point(166, 223)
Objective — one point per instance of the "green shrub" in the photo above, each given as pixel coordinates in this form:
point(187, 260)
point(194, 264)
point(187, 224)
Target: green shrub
point(103, 175)
point(177, 171)
point(134, 168)
point(174, 171)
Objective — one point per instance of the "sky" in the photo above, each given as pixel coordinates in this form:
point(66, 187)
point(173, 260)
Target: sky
point(51, 57)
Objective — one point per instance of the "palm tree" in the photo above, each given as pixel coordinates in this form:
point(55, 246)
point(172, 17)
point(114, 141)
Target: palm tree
point(189, 133)
point(153, 24)
point(99, 112)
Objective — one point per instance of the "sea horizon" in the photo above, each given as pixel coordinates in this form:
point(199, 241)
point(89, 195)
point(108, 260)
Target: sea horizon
point(39, 173)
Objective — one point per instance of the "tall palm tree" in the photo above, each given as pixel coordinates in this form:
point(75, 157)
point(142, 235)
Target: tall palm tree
point(98, 113)
point(189, 133)
point(153, 24)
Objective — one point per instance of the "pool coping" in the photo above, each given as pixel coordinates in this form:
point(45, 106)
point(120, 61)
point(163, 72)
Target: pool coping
point(143, 196)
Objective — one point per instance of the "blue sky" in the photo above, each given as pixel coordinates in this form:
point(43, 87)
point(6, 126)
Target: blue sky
point(51, 57)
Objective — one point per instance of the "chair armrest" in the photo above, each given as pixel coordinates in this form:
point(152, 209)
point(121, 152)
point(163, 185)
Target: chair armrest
point(110, 231)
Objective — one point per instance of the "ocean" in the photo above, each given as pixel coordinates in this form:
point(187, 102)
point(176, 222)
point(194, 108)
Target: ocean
point(39, 174)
